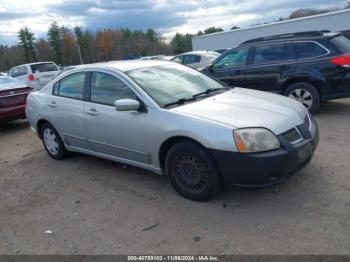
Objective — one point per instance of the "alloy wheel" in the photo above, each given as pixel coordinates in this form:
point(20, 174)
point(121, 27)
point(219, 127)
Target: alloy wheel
point(50, 141)
point(303, 96)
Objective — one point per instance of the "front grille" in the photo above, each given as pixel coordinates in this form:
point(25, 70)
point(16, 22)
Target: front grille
point(292, 136)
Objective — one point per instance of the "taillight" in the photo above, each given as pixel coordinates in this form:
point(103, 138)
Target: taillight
point(26, 101)
point(31, 77)
point(342, 60)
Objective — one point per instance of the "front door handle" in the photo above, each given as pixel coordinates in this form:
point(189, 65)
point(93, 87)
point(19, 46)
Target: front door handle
point(52, 104)
point(92, 112)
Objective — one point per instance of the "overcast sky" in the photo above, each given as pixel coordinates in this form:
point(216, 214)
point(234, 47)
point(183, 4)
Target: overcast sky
point(166, 16)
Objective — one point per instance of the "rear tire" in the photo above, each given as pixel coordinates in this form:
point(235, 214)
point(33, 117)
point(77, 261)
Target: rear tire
point(192, 171)
point(306, 94)
point(52, 141)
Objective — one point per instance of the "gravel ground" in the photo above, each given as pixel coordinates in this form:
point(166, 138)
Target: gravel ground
point(85, 205)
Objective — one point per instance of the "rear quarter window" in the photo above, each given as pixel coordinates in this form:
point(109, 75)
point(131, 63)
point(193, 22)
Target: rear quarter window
point(44, 67)
point(341, 43)
point(304, 50)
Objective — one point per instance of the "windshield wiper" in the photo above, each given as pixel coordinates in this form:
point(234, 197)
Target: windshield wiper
point(180, 101)
point(208, 91)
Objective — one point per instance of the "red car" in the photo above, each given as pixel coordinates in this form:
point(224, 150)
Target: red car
point(13, 95)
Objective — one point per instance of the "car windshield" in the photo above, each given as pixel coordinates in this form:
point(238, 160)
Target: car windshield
point(169, 83)
point(44, 67)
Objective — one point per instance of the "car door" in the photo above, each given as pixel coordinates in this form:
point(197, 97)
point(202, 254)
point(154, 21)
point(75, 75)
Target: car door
point(111, 132)
point(268, 66)
point(65, 109)
point(230, 67)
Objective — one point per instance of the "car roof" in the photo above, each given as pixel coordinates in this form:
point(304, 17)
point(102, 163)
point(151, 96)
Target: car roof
point(199, 53)
point(37, 63)
point(127, 65)
point(300, 36)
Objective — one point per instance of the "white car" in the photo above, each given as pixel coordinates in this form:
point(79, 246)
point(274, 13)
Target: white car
point(174, 120)
point(35, 75)
point(157, 57)
point(196, 59)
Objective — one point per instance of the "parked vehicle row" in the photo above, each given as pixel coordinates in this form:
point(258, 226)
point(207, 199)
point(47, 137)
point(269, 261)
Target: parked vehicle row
point(174, 120)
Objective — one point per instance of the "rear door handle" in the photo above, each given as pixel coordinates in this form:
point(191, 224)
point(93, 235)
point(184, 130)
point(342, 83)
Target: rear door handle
point(92, 112)
point(284, 67)
point(52, 104)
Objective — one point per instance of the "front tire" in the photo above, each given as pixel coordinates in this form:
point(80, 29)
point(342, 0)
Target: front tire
point(52, 142)
point(306, 94)
point(192, 171)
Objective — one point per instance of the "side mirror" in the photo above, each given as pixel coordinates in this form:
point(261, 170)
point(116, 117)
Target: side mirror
point(127, 105)
point(210, 68)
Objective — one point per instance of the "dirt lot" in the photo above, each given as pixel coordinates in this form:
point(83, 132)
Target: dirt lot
point(95, 206)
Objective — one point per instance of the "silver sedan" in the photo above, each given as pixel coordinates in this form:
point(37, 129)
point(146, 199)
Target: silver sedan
point(174, 120)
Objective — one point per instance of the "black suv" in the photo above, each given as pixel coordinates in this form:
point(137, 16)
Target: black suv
point(310, 67)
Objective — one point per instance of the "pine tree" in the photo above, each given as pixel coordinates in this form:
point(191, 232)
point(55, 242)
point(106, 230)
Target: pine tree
point(55, 37)
point(26, 42)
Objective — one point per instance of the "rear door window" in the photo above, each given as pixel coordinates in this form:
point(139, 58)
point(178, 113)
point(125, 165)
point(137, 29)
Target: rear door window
point(267, 54)
point(72, 86)
point(288, 53)
point(305, 50)
point(44, 67)
point(232, 59)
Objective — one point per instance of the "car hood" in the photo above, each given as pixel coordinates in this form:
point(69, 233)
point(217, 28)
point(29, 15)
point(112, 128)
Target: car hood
point(242, 108)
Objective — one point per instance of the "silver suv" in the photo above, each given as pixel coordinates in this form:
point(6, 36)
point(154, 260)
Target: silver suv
point(174, 120)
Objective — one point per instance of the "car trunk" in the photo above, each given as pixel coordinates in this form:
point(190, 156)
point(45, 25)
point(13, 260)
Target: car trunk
point(44, 72)
point(14, 97)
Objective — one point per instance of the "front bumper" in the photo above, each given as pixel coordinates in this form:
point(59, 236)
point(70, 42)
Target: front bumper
point(267, 168)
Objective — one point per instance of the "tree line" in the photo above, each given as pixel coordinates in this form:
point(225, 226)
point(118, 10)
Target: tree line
point(67, 46)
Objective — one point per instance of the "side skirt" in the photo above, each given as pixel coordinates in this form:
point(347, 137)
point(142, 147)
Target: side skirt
point(115, 159)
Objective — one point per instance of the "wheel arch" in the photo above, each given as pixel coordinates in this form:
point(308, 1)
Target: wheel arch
point(39, 125)
point(303, 79)
point(171, 141)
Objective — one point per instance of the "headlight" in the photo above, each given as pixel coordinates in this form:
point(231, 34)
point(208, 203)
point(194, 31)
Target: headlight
point(250, 140)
